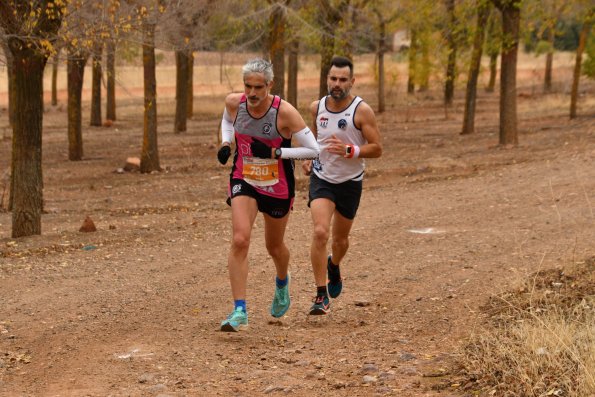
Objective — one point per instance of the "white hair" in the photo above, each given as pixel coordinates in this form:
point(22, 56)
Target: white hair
point(259, 65)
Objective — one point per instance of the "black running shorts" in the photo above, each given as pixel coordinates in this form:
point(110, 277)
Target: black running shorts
point(275, 207)
point(345, 195)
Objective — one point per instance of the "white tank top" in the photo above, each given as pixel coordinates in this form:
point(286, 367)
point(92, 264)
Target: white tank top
point(329, 166)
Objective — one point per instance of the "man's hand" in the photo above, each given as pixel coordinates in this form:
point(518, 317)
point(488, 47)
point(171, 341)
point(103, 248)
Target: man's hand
point(223, 154)
point(261, 149)
point(335, 145)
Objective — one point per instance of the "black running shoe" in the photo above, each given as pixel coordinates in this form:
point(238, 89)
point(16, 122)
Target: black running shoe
point(322, 305)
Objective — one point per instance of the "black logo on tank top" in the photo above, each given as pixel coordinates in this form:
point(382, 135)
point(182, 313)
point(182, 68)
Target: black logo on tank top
point(323, 122)
point(266, 129)
point(342, 124)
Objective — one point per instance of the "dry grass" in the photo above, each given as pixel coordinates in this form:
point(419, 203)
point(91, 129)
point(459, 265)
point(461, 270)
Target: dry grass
point(538, 340)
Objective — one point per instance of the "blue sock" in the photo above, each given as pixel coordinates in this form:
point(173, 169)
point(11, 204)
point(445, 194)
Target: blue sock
point(240, 303)
point(280, 283)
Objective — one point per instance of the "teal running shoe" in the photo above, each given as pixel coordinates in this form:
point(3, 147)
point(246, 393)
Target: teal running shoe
point(281, 301)
point(236, 320)
point(335, 282)
point(322, 305)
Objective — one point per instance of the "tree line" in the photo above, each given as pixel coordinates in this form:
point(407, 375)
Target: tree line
point(444, 35)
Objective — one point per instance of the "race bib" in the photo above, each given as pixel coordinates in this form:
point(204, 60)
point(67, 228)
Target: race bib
point(261, 172)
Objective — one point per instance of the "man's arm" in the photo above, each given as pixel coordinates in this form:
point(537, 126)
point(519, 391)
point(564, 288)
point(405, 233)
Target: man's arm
point(365, 120)
point(232, 102)
point(291, 124)
point(307, 164)
point(230, 111)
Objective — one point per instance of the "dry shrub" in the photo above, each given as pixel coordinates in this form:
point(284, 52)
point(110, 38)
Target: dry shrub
point(539, 340)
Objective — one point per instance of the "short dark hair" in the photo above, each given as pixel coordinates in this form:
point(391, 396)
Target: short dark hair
point(342, 62)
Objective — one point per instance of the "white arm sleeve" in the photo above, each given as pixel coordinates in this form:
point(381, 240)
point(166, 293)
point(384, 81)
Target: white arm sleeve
point(309, 147)
point(227, 130)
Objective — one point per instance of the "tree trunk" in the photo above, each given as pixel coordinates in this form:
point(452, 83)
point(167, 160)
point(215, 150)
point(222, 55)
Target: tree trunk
point(449, 85)
point(28, 64)
point(96, 87)
point(181, 91)
point(292, 72)
point(11, 82)
point(55, 64)
point(110, 111)
point(577, 68)
point(149, 160)
point(549, 61)
point(413, 50)
point(276, 42)
point(381, 82)
point(493, 72)
point(326, 54)
point(493, 47)
point(424, 82)
point(474, 67)
point(27, 177)
point(328, 18)
point(190, 95)
point(75, 71)
point(508, 107)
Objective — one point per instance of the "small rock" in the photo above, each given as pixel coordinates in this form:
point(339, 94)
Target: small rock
point(273, 388)
point(88, 226)
point(339, 385)
point(146, 378)
point(369, 368)
point(158, 388)
point(370, 379)
point(384, 390)
point(407, 357)
point(302, 363)
point(409, 371)
point(132, 164)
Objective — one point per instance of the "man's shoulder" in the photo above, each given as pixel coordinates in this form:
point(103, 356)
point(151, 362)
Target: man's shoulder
point(363, 105)
point(233, 99)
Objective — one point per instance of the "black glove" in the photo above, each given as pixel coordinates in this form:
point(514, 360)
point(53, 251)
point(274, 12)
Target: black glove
point(223, 154)
point(260, 149)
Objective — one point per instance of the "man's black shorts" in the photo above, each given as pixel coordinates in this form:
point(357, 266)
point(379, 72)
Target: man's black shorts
point(275, 207)
point(345, 195)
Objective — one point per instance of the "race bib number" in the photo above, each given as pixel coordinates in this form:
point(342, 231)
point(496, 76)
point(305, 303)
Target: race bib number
point(261, 172)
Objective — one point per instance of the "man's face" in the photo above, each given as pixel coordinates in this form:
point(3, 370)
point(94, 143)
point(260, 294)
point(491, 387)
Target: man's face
point(339, 82)
point(256, 88)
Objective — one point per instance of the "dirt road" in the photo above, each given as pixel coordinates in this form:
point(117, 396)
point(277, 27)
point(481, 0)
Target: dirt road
point(134, 308)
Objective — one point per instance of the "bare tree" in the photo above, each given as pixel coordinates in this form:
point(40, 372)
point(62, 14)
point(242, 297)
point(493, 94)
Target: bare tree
point(383, 19)
point(588, 21)
point(182, 77)
point(474, 66)
point(110, 77)
point(55, 65)
point(276, 44)
point(96, 84)
point(511, 17)
point(30, 48)
point(449, 84)
point(149, 160)
point(292, 71)
point(190, 85)
point(77, 59)
point(413, 58)
point(493, 46)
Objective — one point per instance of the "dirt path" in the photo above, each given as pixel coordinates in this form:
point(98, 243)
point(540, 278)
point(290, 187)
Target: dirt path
point(134, 308)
